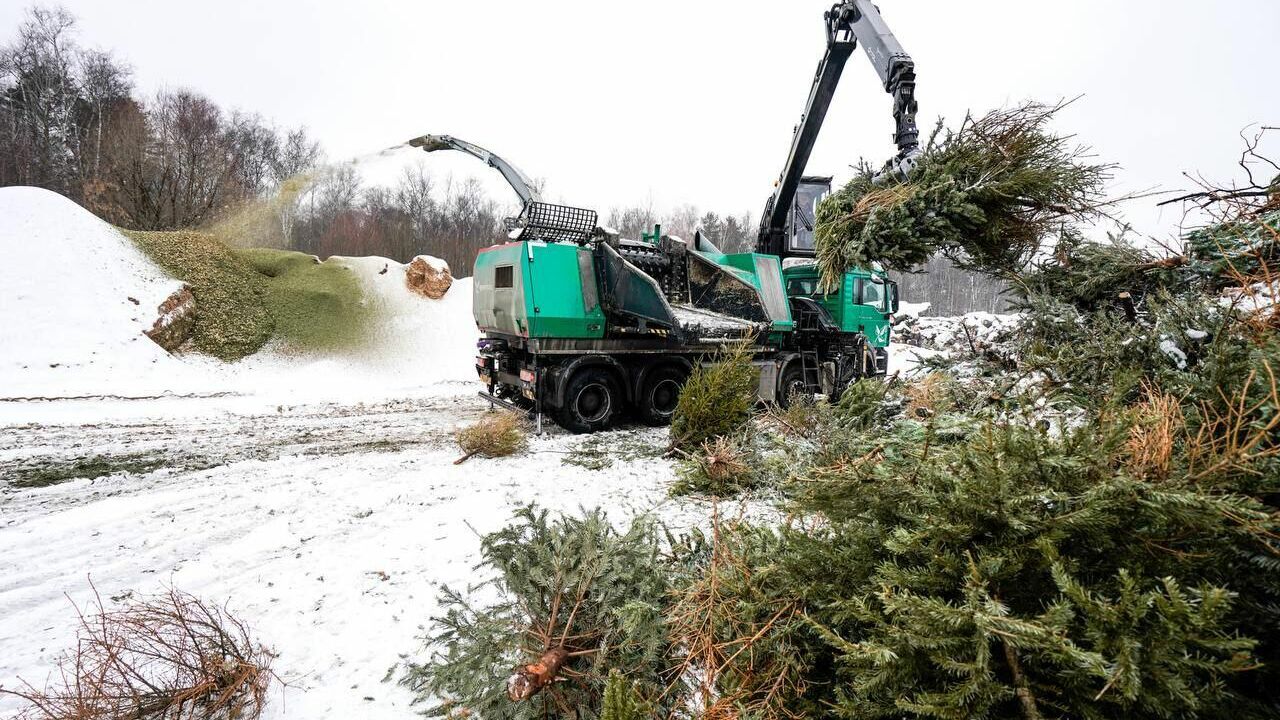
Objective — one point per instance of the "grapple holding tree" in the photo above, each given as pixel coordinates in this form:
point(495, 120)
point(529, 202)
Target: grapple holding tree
point(988, 194)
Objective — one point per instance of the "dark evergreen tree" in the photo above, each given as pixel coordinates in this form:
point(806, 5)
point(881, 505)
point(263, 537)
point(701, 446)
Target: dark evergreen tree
point(712, 228)
point(1086, 526)
point(987, 194)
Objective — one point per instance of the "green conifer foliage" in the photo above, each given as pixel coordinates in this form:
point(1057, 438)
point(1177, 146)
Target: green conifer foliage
point(720, 467)
point(1084, 523)
point(1011, 569)
point(1088, 527)
point(575, 583)
point(987, 194)
point(716, 401)
point(621, 701)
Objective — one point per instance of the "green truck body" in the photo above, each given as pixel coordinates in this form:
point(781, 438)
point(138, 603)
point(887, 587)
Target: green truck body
point(861, 304)
point(559, 300)
point(593, 332)
point(562, 300)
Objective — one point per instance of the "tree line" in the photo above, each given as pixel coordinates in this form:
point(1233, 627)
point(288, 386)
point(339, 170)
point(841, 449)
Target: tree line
point(72, 121)
point(950, 290)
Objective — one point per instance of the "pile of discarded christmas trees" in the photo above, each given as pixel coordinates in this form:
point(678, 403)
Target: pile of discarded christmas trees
point(1082, 523)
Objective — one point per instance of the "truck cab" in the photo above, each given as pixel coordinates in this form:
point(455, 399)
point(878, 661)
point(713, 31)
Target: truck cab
point(863, 302)
point(864, 299)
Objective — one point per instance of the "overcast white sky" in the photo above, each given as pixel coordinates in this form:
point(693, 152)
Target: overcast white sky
point(694, 101)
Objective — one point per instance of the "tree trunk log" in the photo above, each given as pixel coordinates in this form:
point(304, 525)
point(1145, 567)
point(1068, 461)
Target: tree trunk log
point(525, 682)
point(1021, 688)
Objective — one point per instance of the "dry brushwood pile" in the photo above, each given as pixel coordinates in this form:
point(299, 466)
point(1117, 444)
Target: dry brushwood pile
point(497, 434)
point(170, 657)
point(987, 194)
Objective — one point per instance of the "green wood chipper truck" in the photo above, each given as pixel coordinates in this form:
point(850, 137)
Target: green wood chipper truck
point(591, 328)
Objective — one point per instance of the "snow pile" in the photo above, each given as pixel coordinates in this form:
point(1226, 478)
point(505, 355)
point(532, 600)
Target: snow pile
point(972, 331)
point(414, 347)
point(910, 311)
point(76, 299)
point(917, 337)
point(415, 338)
point(1260, 299)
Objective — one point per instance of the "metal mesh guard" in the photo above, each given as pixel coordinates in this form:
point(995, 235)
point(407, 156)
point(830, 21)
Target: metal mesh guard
point(558, 223)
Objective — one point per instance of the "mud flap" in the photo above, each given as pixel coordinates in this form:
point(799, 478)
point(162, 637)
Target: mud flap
point(767, 390)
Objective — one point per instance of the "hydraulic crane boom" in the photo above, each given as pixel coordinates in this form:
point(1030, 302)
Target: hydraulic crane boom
point(537, 220)
point(847, 24)
point(519, 181)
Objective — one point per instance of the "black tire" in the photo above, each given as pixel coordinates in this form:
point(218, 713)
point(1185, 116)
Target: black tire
point(659, 394)
point(793, 385)
point(591, 401)
point(848, 370)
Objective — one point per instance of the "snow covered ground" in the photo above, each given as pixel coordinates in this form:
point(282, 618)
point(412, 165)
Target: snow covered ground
point(329, 527)
point(317, 496)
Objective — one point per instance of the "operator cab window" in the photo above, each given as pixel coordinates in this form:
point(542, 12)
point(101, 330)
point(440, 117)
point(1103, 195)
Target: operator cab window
point(873, 293)
point(502, 276)
point(802, 286)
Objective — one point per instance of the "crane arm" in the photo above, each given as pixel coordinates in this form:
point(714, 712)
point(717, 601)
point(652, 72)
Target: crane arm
point(519, 182)
point(773, 225)
point(847, 23)
point(896, 70)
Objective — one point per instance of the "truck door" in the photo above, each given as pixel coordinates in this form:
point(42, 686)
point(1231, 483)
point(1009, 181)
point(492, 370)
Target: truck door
point(498, 294)
point(871, 309)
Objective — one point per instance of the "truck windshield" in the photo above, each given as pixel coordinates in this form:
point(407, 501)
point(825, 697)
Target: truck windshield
point(873, 294)
point(802, 286)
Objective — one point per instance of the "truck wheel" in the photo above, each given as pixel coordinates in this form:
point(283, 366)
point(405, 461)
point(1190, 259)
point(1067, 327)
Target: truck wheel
point(591, 400)
point(849, 374)
point(660, 394)
point(793, 386)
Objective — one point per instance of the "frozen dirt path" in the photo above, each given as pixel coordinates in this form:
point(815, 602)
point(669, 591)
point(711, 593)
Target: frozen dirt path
point(329, 528)
point(78, 438)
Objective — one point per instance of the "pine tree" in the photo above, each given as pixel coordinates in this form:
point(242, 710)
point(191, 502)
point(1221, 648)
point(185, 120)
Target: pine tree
point(575, 599)
point(716, 401)
point(987, 194)
point(1086, 526)
point(621, 701)
point(993, 570)
point(712, 228)
point(737, 236)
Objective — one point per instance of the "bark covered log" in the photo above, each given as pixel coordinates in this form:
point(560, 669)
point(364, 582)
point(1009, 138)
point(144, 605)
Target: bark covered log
point(176, 322)
point(526, 681)
point(428, 276)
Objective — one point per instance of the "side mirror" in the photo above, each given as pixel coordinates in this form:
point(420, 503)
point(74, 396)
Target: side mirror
point(893, 297)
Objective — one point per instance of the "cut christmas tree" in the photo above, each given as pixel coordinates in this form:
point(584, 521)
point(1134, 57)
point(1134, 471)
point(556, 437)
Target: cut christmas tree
point(988, 193)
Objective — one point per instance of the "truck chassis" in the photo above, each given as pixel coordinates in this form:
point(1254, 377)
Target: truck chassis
point(591, 385)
